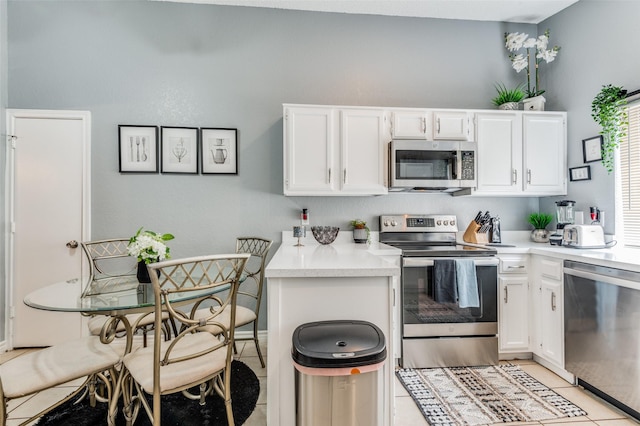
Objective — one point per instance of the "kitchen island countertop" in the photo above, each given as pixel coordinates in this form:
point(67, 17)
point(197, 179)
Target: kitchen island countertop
point(339, 259)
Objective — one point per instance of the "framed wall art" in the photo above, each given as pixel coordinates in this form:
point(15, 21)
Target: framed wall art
point(179, 150)
point(580, 173)
point(219, 151)
point(592, 149)
point(138, 149)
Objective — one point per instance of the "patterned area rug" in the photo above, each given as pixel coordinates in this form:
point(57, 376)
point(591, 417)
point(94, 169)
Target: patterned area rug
point(483, 395)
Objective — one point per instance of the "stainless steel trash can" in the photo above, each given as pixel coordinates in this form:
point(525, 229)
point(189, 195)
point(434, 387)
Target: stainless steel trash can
point(338, 375)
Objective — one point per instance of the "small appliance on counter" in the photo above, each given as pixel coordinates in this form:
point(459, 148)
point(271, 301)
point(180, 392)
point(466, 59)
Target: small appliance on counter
point(564, 217)
point(583, 236)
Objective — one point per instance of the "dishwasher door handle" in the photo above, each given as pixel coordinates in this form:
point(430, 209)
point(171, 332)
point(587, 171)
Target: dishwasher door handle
point(602, 278)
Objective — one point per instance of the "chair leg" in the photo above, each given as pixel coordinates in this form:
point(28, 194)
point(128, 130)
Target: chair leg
point(235, 348)
point(255, 340)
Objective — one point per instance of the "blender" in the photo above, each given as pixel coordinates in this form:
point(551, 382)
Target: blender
point(564, 216)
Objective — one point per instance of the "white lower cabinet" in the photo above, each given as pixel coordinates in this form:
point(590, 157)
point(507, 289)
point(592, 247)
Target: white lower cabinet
point(548, 309)
point(513, 306)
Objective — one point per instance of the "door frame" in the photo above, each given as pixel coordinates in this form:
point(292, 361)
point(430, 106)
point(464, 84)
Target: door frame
point(11, 116)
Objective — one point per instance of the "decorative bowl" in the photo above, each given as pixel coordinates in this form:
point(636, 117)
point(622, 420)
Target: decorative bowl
point(325, 234)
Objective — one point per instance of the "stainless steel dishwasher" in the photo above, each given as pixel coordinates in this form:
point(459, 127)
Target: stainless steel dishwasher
point(602, 332)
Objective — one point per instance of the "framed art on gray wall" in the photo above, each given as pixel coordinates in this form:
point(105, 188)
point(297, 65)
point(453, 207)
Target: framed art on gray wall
point(219, 151)
point(592, 149)
point(580, 173)
point(138, 149)
point(179, 150)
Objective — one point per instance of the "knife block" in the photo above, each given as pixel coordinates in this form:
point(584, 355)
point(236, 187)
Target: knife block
point(471, 235)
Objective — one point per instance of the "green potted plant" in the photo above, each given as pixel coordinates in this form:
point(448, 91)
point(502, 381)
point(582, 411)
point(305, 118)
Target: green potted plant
point(360, 231)
point(540, 221)
point(609, 112)
point(508, 98)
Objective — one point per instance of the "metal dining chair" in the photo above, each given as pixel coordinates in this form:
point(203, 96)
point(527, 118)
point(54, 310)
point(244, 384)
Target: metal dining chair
point(202, 352)
point(55, 365)
point(111, 266)
point(250, 292)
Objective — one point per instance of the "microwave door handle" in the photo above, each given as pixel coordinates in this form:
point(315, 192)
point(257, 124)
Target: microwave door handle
point(458, 156)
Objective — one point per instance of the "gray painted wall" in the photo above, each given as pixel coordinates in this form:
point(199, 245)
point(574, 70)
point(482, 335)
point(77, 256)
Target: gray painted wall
point(600, 43)
point(158, 63)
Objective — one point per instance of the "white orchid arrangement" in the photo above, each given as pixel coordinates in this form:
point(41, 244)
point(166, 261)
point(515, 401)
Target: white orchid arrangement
point(519, 61)
point(149, 246)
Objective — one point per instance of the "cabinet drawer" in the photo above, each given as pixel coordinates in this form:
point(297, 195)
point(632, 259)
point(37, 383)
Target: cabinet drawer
point(513, 264)
point(551, 268)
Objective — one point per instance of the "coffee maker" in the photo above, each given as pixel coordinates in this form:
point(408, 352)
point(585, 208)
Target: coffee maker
point(564, 216)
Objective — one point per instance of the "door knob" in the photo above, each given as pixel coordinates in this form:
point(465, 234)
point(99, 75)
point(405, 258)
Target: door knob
point(72, 244)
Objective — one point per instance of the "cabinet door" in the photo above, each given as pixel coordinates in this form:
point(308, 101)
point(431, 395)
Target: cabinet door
point(410, 125)
point(551, 337)
point(514, 313)
point(544, 137)
point(309, 149)
point(451, 125)
point(362, 152)
point(499, 153)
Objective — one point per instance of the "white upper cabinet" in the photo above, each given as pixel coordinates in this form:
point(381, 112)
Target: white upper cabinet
point(414, 124)
point(499, 153)
point(521, 153)
point(545, 147)
point(334, 150)
point(363, 159)
point(452, 125)
point(310, 136)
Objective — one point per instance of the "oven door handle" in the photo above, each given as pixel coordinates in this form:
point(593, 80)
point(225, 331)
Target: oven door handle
point(418, 262)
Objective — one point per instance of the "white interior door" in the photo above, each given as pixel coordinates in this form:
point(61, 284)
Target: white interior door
point(48, 204)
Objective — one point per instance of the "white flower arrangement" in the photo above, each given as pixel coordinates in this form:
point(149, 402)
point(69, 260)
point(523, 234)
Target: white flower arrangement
point(520, 61)
point(149, 246)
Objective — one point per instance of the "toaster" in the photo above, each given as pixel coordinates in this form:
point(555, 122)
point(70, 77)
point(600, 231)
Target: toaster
point(583, 236)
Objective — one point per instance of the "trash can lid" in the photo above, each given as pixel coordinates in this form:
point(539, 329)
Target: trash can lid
point(342, 343)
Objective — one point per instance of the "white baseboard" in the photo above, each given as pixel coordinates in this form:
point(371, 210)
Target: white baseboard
point(248, 334)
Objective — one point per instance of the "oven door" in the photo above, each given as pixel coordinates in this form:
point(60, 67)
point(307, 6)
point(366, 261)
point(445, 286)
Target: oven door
point(425, 317)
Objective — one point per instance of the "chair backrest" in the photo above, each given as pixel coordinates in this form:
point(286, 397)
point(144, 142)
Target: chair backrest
point(109, 261)
point(250, 293)
point(217, 278)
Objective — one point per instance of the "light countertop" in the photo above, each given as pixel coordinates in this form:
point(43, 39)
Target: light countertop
point(614, 257)
point(342, 258)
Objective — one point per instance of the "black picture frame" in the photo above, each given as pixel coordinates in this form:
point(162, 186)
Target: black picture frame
point(179, 151)
point(580, 173)
point(592, 149)
point(218, 151)
point(137, 148)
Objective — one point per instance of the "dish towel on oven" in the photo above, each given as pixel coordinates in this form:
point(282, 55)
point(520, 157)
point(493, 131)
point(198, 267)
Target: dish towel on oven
point(444, 281)
point(467, 283)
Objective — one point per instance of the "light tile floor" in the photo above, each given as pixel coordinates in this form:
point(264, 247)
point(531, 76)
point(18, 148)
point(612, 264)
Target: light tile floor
point(407, 414)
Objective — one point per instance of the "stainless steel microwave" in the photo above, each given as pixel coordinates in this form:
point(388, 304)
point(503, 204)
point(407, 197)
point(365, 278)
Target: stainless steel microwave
point(431, 166)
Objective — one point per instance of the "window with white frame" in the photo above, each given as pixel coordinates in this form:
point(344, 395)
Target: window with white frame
point(630, 177)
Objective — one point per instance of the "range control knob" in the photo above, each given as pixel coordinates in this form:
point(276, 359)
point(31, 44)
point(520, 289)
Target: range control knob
point(453, 222)
point(446, 223)
point(393, 222)
point(439, 222)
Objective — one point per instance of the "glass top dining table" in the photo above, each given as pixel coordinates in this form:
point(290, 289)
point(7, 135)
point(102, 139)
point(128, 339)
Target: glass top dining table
point(107, 296)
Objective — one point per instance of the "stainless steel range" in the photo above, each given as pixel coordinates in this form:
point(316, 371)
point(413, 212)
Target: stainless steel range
point(449, 313)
